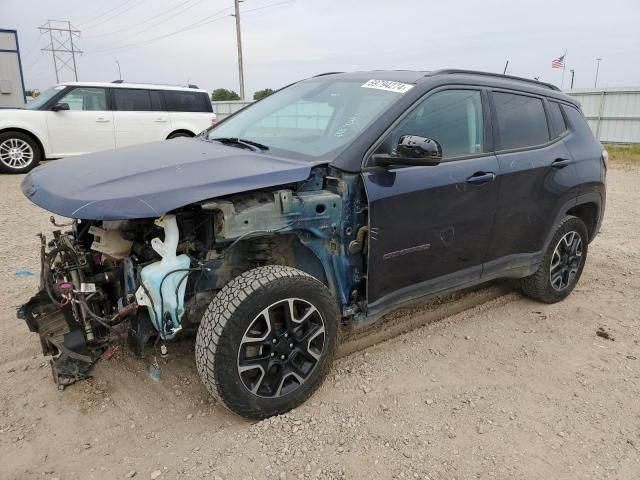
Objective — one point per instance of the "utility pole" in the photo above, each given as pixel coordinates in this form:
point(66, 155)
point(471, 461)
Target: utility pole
point(573, 72)
point(595, 83)
point(63, 50)
point(239, 37)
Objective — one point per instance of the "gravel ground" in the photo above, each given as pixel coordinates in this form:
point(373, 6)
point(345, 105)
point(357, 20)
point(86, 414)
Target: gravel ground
point(508, 389)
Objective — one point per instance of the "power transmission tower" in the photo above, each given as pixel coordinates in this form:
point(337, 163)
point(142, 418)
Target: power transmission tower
point(63, 50)
point(239, 37)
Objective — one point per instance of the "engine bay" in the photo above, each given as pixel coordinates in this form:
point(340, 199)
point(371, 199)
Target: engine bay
point(154, 278)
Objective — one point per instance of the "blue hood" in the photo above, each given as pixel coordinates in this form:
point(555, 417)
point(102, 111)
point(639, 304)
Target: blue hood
point(148, 180)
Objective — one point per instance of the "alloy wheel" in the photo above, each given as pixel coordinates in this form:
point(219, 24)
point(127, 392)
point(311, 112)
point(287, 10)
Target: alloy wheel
point(566, 260)
point(281, 347)
point(16, 153)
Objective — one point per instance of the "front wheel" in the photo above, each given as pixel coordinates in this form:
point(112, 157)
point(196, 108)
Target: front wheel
point(267, 341)
point(19, 153)
point(562, 264)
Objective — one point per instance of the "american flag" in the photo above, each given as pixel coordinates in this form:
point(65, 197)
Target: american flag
point(558, 62)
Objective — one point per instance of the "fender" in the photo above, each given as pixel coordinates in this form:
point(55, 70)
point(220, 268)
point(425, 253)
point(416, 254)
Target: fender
point(27, 121)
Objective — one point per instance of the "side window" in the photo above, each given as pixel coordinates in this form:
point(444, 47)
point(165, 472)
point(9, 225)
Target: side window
point(558, 125)
point(577, 121)
point(180, 101)
point(452, 117)
point(156, 100)
point(521, 120)
point(131, 100)
point(86, 98)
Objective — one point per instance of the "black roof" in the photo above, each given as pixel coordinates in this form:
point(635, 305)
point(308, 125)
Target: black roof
point(489, 79)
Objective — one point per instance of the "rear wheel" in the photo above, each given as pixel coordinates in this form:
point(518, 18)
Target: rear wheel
point(562, 264)
point(19, 153)
point(267, 340)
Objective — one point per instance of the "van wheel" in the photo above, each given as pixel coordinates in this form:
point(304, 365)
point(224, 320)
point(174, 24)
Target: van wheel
point(267, 341)
point(19, 153)
point(179, 134)
point(562, 264)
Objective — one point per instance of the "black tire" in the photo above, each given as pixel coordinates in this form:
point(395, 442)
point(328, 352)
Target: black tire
point(12, 161)
point(540, 285)
point(180, 134)
point(224, 338)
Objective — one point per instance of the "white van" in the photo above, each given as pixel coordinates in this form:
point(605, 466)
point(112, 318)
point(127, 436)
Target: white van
point(78, 117)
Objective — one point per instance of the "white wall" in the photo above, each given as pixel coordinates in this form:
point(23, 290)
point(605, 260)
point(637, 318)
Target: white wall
point(612, 113)
point(11, 90)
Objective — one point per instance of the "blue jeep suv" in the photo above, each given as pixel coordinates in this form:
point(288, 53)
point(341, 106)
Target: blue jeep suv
point(321, 207)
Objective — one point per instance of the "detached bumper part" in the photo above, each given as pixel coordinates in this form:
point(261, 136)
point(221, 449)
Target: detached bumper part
point(61, 337)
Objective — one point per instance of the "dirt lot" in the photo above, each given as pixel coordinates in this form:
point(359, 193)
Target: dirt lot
point(508, 389)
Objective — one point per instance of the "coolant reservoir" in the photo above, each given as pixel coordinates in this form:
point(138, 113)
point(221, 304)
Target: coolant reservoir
point(169, 275)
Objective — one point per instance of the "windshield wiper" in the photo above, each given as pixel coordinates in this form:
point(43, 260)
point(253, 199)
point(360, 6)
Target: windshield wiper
point(255, 146)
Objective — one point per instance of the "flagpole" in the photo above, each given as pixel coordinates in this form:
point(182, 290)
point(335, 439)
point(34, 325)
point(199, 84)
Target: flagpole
point(564, 66)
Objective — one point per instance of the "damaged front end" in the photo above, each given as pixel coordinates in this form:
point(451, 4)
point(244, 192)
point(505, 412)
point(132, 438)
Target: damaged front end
point(154, 279)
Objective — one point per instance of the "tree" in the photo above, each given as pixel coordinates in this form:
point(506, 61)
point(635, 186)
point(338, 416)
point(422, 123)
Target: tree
point(224, 95)
point(260, 94)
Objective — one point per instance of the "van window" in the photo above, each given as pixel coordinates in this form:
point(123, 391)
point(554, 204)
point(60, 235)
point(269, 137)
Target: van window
point(521, 120)
point(132, 100)
point(180, 101)
point(558, 125)
point(86, 98)
point(452, 117)
point(156, 100)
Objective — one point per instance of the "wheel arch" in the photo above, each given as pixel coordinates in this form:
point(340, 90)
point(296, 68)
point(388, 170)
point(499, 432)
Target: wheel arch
point(589, 213)
point(181, 130)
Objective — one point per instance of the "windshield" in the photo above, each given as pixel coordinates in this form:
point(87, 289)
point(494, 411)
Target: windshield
point(314, 119)
point(44, 97)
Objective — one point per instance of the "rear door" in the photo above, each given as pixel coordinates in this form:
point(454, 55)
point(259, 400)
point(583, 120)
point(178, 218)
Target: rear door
point(86, 127)
point(189, 110)
point(139, 116)
point(537, 177)
point(431, 225)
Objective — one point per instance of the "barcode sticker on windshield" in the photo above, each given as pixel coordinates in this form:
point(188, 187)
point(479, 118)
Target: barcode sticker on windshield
point(388, 85)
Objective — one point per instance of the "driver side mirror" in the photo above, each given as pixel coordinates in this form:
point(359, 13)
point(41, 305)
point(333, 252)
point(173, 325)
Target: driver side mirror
point(412, 150)
point(60, 106)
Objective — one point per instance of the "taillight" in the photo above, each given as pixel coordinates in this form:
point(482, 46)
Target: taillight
point(605, 158)
point(214, 120)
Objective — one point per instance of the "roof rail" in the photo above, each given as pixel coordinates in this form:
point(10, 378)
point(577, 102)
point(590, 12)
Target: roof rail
point(326, 73)
point(189, 85)
point(450, 71)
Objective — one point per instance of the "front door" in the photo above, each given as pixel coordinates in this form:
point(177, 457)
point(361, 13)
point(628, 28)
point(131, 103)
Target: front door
point(430, 225)
point(86, 127)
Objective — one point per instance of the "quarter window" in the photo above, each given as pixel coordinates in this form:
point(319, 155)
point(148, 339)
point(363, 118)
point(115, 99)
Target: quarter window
point(521, 120)
point(452, 117)
point(86, 98)
point(558, 125)
point(132, 100)
point(178, 101)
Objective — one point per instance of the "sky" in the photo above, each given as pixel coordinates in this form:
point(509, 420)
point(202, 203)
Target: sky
point(194, 41)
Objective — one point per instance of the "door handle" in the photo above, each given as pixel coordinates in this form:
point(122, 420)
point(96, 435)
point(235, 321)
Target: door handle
point(560, 162)
point(160, 120)
point(480, 178)
point(102, 120)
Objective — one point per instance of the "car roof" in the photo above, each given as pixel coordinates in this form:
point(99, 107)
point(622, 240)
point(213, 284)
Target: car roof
point(489, 79)
point(119, 84)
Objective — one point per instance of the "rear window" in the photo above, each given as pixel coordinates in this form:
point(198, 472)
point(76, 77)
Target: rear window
point(133, 100)
point(179, 101)
point(558, 125)
point(521, 120)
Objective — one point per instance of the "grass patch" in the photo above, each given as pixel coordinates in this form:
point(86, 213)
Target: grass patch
point(624, 154)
